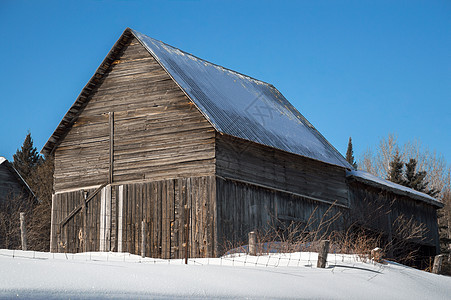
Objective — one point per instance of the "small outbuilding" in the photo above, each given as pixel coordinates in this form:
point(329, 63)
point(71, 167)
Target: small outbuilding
point(160, 144)
point(15, 197)
point(12, 186)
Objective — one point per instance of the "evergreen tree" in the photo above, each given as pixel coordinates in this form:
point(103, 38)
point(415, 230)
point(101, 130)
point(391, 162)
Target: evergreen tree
point(417, 180)
point(350, 154)
point(26, 158)
point(395, 172)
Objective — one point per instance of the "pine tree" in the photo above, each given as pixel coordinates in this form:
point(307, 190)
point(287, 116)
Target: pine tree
point(417, 180)
point(26, 158)
point(395, 173)
point(350, 154)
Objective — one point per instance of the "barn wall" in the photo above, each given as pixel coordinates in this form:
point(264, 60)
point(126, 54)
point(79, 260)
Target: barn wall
point(157, 131)
point(247, 161)
point(114, 224)
point(10, 185)
point(243, 207)
point(379, 210)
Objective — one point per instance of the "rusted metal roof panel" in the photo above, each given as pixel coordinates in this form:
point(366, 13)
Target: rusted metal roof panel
point(242, 106)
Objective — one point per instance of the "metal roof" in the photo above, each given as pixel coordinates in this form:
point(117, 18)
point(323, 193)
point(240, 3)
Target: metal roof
point(372, 180)
point(234, 104)
point(242, 106)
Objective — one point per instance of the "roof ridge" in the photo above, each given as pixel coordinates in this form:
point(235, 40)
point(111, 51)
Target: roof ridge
point(201, 59)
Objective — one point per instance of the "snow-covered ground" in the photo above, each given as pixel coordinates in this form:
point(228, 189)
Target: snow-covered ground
point(39, 275)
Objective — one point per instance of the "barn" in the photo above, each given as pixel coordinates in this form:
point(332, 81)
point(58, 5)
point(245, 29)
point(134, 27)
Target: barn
point(15, 197)
point(168, 149)
point(12, 185)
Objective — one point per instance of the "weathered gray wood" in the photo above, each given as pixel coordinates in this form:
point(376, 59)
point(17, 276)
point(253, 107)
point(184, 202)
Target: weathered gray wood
point(322, 253)
point(157, 133)
point(438, 262)
point(85, 220)
point(108, 218)
point(257, 164)
point(78, 208)
point(23, 231)
point(187, 223)
point(143, 239)
point(379, 211)
point(120, 218)
point(102, 218)
point(252, 243)
point(111, 148)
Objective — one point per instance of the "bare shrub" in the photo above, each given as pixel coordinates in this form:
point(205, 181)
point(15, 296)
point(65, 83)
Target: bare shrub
point(280, 237)
point(10, 208)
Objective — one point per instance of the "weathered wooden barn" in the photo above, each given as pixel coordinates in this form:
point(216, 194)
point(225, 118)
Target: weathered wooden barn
point(12, 185)
point(15, 197)
point(161, 136)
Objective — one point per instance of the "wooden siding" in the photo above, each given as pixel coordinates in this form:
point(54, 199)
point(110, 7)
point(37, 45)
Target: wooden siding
point(11, 185)
point(158, 133)
point(243, 160)
point(161, 204)
point(243, 207)
point(377, 210)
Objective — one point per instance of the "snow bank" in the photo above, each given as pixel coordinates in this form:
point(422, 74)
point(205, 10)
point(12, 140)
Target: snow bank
point(117, 275)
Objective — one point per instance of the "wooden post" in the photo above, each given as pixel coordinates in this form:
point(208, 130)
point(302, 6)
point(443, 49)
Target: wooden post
point(376, 254)
point(322, 255)
point(186, 234)
point(438, 261)
point(252, 243)
point(143, 238)
point(23, 231)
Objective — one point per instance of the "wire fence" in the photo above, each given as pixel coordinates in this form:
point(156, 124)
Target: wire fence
point(268, 260)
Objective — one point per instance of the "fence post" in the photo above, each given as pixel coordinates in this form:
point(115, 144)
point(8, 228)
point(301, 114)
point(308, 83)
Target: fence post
point(252, 243)
point(322, 255)
point(438, 261)
point(376, 254)
point(23, 231)
point(143, 239)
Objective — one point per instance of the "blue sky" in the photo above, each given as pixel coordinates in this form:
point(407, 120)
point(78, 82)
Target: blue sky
point(352, 68)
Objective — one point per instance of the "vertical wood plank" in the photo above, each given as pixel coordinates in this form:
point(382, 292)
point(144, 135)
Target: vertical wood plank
point(102, 238)
point(111, 146)
point(120, 217)
point(108, 218)
point(149, 218)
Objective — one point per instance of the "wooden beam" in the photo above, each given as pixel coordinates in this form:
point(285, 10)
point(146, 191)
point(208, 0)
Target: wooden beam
point(111, 146)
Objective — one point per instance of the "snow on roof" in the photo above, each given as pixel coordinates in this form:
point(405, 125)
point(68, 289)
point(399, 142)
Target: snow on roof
point(242, 106)
point(16, 173)
point(372, 180)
